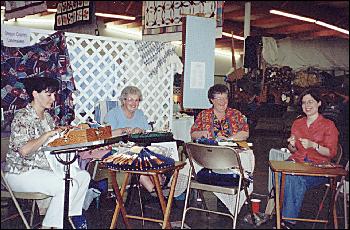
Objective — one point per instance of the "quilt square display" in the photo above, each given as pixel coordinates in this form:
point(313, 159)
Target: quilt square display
point(74, 13)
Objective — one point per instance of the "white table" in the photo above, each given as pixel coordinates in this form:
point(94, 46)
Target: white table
point(182, 127)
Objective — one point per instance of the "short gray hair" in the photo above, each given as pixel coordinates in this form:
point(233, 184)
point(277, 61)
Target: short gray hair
point(133, 90)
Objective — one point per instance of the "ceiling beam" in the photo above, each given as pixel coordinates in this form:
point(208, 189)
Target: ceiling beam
point(238, 15)
point(228, 43)
point(296, 28)
point(322, 33)
point(271, 21)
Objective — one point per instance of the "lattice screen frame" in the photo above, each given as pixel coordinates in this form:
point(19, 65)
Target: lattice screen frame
point(103, 66)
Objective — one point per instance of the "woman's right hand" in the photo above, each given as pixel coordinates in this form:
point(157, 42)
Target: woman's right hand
point(291, 145)
point(199, 134)
point(55, 131)
point(291, 140)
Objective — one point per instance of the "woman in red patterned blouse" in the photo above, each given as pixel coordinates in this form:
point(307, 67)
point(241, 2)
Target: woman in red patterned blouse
point(220, 121)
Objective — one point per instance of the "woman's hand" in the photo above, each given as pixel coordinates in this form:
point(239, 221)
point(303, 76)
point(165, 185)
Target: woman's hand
point(55, 131)
point(240, 136)
point(137, 131)
point(126, 130)
point(199, 134)
point(291, 140)
point(306, 143)
point(291, 145)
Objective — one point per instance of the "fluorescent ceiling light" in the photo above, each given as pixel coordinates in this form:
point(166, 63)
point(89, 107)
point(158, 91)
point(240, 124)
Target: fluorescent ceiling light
point(310, 20)
point(233, 36)
point(115, 16)
point(292, 16)
point(120, 29)
point(104, 15)
point(332, 27)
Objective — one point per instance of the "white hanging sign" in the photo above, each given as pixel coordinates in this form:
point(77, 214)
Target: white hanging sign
point(15, 36)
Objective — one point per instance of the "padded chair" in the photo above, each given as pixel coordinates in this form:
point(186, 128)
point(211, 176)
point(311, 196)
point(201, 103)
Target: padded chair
point(102, 108)
point(6, 192)
point(213, 157)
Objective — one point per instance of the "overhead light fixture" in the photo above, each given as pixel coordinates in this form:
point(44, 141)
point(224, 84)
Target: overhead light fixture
point(115, 16)
point(233, 36)
point(292, 16)
point(309, 20)
point(332, 27)
point(104, 15)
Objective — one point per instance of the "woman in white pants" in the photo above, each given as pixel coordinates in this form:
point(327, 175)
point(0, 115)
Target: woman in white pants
point(27, 166)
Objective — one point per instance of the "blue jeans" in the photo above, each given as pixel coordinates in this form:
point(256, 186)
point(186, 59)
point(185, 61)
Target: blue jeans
point(294, 191)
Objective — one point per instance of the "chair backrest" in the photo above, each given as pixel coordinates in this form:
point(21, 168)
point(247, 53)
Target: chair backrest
point(339, 155)
point(5, 141)
point(102, 108)
point(213, 157)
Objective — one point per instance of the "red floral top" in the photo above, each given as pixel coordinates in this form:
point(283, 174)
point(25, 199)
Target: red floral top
point(233, 122)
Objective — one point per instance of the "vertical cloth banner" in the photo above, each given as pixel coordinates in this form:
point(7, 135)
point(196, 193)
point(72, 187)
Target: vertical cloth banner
point(76, 16)
point(19, 9)
point(48, 58)
point(162, 20)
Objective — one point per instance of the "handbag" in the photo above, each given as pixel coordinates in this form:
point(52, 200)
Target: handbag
point(207, 176)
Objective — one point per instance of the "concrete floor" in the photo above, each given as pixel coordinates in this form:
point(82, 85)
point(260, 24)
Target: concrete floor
point(100, 218)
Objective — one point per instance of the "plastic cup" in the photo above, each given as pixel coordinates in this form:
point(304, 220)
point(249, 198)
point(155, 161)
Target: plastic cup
point(255, 205)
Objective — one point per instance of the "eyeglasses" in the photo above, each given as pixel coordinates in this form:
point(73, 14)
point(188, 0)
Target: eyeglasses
point(309, 102)
point(132, 100)
point(221, 98)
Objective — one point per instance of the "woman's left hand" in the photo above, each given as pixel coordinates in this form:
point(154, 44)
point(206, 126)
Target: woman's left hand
point(137, 130)
point(306, 143)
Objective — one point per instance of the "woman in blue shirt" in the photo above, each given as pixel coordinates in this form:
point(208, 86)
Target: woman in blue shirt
point(128, 118)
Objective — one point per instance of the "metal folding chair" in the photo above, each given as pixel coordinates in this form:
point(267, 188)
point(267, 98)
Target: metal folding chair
point(214, 157)
point(335, 160)
point(6, 192)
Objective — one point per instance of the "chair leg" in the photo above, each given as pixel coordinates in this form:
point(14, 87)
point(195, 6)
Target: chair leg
point(140, 200)
point(21, 213)
point(32, 213)
point(186, 200)
point(345, 200)
point(321, 206)
point(130, 192)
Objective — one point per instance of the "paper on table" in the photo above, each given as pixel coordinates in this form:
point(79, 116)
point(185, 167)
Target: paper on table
point(172, 148)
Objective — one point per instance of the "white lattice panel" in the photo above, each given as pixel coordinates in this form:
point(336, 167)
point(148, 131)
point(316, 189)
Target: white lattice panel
point(103, 67)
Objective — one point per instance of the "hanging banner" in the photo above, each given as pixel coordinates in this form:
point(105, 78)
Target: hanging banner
point(162, 20)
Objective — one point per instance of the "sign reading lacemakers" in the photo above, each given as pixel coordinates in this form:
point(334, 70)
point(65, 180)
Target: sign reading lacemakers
point(15, 37)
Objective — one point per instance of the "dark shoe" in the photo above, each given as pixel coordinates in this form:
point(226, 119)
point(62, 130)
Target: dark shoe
point(79, 222)
point(101, 185)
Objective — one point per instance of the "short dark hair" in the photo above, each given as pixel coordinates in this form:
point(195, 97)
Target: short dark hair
point(39, 84)
point(315, 94)
point(217, 89)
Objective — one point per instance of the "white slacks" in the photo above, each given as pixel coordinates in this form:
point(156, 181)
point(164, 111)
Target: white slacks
point(47, 182)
